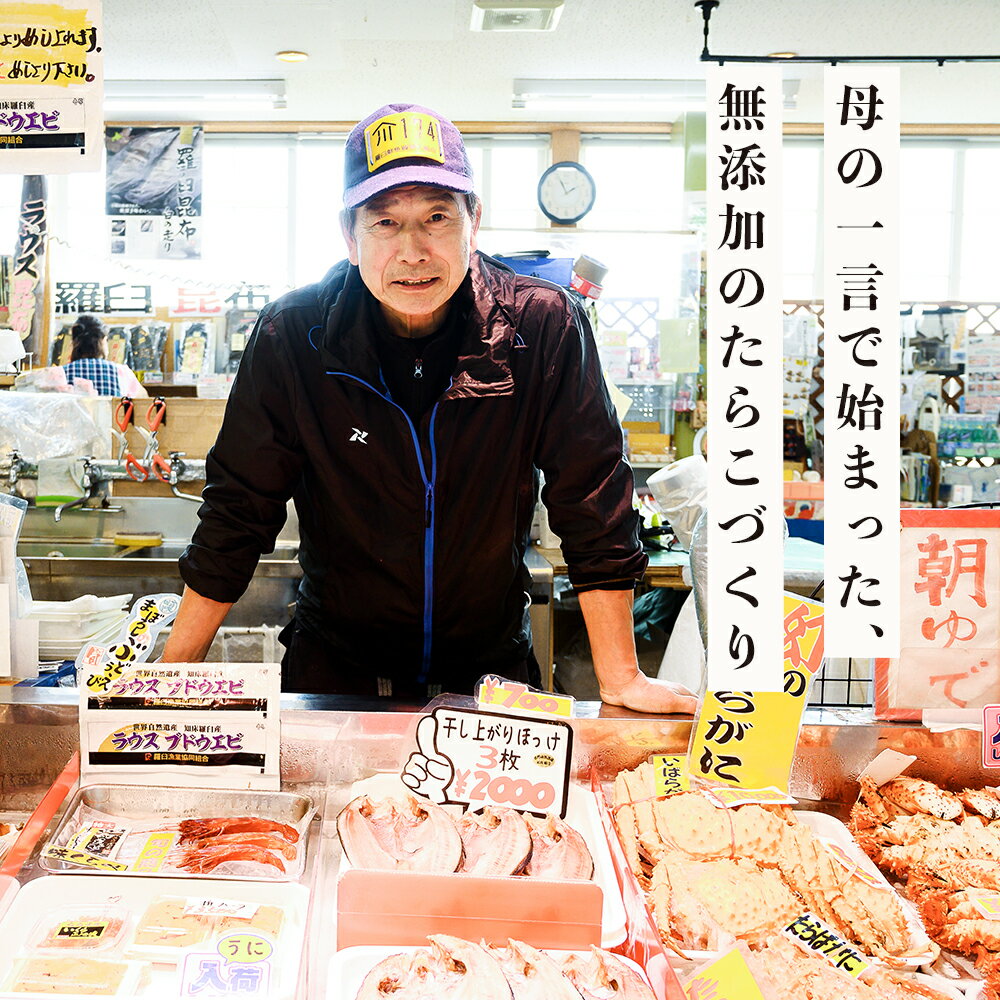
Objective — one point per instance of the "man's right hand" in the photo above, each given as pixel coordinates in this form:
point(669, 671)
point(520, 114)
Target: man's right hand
point(652, 696)
point(194, 628)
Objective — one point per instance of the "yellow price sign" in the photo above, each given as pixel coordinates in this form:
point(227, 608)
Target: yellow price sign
point(670, 775)
point(247, 949)
point(988, 905)
point(747, 739)
point(518, 699)
point(727, 978)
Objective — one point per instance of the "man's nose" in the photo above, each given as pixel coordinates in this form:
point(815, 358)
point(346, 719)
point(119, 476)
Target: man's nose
point(413, 245)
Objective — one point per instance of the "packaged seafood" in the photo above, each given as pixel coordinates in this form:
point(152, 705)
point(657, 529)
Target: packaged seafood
point(385, 826)
point(251, 835)
point(80, 930)
point(74, 976)
point(449, 968)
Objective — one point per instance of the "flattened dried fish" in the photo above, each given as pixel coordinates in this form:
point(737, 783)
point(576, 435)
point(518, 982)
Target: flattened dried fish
point(557, 850)
point(603, 976)
point(391, 834)
point(532, 974)
point(452, 969)
point(496, 842)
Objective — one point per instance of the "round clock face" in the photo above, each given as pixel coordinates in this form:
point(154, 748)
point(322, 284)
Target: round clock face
point(566, 192)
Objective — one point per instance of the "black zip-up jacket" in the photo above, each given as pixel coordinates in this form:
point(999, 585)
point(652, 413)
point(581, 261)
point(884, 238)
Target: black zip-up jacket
point(413, 535)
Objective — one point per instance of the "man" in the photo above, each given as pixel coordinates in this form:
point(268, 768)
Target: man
point(406, 403)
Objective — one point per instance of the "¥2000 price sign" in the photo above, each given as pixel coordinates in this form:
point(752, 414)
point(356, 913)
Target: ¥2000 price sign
point(490, 759)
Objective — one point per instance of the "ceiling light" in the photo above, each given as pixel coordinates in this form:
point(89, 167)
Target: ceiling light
point(158, 99)
point(291, 55)
point(515, 15)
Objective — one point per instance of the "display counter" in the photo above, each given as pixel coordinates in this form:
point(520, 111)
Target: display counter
point(330, 743)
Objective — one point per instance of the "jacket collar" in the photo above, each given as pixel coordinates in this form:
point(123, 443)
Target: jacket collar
point(347, 343)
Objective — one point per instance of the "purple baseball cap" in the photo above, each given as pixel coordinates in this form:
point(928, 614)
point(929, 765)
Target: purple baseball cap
point(403, 144)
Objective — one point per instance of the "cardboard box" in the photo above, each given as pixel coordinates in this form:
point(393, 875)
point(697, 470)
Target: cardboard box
point(191, 426)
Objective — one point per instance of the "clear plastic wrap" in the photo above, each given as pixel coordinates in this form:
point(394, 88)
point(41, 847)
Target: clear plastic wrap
point(40, 426)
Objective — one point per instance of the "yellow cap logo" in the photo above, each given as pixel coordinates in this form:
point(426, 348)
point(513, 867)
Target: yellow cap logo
point(407, 133)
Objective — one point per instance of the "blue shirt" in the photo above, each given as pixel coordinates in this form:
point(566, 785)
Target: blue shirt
point(101, 372)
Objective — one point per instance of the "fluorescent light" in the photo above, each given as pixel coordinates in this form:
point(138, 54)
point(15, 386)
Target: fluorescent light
point(157, 98)
point(515, 15)
point(620, 95)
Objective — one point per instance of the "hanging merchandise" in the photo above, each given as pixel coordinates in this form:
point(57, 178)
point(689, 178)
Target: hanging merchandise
point(119, 346)
point(239, 326)
point(195, 348)
point(62, 345)
point(148, 342)
point(153, 200)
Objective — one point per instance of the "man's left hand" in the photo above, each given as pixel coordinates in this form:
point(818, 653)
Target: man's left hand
point(653, 696)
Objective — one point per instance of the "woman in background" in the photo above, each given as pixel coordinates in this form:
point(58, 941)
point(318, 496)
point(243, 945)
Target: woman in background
point(88, 360)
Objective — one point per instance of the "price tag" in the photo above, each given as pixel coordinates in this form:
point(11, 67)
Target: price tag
point(988, 905)
point(730, 798)
point(81, 932)
point(853, 867)
point(240, 965)
point(747, 739)
point(154, 852)
point(670, 775)
point(991, 736)
point(219, 908)
point(518, 699)
point(485, 758)
point(727, 978)
point(811, 934)
point(100, 839)
point(83, 858)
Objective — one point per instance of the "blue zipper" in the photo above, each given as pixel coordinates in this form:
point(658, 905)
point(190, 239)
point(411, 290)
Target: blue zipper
point(428, 513)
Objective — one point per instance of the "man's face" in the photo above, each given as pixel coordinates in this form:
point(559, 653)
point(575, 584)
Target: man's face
point(412, 245)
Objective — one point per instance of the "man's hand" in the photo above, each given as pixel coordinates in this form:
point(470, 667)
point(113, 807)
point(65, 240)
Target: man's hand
point(647, 694)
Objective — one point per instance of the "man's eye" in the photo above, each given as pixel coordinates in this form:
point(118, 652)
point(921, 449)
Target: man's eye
point(384, 222)
point(438, 217)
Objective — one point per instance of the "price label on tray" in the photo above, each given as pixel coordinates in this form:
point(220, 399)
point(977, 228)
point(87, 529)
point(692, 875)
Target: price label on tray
point(670, 775)
point(727, 978)
point(486, 758)
point(854, 868)
point(84, 859)
point(811, 934)
point(507, 696)
point(988, 904)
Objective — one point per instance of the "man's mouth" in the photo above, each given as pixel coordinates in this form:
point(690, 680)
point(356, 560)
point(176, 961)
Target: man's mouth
point(415, 282)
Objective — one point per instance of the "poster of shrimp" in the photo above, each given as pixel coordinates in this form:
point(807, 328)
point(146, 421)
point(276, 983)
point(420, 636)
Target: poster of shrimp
point(949, 655)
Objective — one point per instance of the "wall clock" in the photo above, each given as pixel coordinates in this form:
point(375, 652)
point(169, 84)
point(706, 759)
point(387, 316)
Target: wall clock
point(566, 192)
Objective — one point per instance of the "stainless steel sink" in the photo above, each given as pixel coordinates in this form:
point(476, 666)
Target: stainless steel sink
point(171, 552)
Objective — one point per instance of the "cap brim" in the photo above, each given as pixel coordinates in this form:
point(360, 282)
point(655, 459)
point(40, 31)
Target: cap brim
point(400, 176)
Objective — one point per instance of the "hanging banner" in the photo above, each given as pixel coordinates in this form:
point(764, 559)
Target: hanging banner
point(949, 619)
point(27, 286)
point(862, 361)
point(51, 87)
point(746, 527)
point(153, 200)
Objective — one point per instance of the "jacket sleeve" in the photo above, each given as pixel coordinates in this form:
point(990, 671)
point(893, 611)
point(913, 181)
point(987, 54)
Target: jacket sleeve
point(250, 472)
point(588, 483)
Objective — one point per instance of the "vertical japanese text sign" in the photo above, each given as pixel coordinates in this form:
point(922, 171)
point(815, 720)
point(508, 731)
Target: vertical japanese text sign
point(746, 527)
point(51, 86)
point(861, 321)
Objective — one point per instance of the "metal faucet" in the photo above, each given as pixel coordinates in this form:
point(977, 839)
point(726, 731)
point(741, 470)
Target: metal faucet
point(177, 468)
point(90, 480)
point(14, 469)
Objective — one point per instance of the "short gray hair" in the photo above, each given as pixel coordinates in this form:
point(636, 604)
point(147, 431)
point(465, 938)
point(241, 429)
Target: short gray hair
point(469, 198)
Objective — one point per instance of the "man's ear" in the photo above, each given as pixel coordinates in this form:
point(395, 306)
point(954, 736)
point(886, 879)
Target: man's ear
point(474, 241)
point(347, 230)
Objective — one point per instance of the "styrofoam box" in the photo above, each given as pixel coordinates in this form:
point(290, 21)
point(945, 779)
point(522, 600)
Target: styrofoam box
point(581, 814)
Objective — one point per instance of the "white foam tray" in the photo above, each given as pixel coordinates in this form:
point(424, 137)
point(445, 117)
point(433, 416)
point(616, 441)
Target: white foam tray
point(349, 967)
point(581, 814)
point(45, 896)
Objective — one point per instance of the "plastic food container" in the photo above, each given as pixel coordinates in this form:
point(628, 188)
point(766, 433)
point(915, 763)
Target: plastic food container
point(80, 930)
point(74, 976)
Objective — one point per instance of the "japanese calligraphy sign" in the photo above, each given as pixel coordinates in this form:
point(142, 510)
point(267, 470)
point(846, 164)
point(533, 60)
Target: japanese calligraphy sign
point(214, 723)
point(861, 321)
point(120, 298)
point(811, 934)
point(746, 524)
point(670, 774)
point(153, 200)
point(746, 739)
point(27, 284)
point(484, 758)
point(239, 965)
point(727, 978)
point(51, 87)
point(949, 616)
point(991, 736)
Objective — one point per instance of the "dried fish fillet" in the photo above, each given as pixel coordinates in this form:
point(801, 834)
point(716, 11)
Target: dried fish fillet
point(451, 969)
point(391, 834)
point(603, 976)
point(532, 974)
point(557, 850)
point(496, 842)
